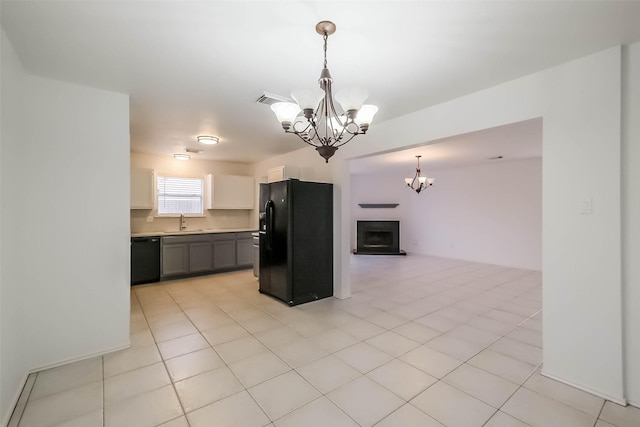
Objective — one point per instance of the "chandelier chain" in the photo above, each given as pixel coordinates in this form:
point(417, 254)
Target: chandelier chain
point(325, 37)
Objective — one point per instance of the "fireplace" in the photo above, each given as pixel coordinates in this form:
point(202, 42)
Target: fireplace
point(378, 238)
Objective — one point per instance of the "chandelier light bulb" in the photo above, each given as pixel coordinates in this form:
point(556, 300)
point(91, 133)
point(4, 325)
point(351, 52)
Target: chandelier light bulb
point(365, 115)
point(286, 112)
point(352, 98)
point(308, 98)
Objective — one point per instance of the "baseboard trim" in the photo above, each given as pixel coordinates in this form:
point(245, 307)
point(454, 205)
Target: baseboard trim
point(79, 358)
point(616, 399)
point(16, 397)
point(634, 403)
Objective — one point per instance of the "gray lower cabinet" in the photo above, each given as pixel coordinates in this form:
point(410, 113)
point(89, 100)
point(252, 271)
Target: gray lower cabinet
point(224, 251)
point(200, 257)
point(244, 250)
point(196, 254)
point(184, 255)
point(175, 259)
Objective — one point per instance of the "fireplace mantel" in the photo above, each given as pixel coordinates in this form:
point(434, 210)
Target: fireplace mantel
point(378, 205)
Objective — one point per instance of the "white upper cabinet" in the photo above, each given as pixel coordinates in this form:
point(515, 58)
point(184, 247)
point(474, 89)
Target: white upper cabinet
point(142, 186)
point(229, 192)
point(282, 173)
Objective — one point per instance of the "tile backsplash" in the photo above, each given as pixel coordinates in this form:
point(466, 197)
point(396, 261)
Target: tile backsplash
point(213, 219)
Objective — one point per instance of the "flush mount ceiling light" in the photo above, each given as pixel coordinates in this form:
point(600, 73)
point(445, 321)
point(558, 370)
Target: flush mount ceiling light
point(419, 183)
point(181, 156)
point(208, 140)
point(320, 124)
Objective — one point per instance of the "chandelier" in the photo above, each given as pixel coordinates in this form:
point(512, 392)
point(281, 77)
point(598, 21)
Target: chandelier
point(314, 117)
point(419, 183)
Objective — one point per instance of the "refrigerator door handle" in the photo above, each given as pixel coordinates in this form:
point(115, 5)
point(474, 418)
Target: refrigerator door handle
point(268, 208)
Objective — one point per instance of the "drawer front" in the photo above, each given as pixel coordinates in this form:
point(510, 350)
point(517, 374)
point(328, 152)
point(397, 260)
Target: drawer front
point(192, 238)
point(244, 235)
point(224, 236)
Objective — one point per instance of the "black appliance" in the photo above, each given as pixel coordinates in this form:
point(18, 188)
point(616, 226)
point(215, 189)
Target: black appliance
point(145, 260)
point(296, 240)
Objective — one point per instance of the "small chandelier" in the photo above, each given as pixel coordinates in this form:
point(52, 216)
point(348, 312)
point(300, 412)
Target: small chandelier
point(320, 125)
point(419, 183)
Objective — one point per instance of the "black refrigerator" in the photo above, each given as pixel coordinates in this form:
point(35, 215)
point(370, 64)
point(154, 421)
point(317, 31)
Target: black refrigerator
point(296, 240)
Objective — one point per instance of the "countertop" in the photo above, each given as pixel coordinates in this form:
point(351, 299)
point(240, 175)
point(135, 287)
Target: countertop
point(187, 232)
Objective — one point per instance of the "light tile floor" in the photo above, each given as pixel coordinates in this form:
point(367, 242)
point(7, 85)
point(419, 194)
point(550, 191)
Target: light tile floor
point(423, 341)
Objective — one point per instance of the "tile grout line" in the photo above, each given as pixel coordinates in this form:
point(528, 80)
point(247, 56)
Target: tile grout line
point(490, 373)
point(484, 348)
point(386, 329)
point(441, 334)
point(398, 358)
point(173, 385)
point(292, 368)
point(511, 395)
point(600, 412)
point(223, 361)
point(525, 294)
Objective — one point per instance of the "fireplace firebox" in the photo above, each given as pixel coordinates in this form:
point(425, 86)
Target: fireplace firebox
point(378, 238)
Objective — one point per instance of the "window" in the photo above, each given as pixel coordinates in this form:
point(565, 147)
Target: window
point(179, 195)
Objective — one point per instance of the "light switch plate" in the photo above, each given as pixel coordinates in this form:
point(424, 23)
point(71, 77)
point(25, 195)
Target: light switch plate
point(150, 218)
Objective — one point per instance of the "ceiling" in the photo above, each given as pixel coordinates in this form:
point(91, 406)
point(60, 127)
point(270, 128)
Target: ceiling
point(197, 67)
point(516, 141)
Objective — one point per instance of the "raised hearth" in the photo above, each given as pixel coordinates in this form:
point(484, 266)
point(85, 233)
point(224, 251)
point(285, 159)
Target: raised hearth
point(378, 238)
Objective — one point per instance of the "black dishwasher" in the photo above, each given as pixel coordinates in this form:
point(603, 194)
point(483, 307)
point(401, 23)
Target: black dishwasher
point(145, 260)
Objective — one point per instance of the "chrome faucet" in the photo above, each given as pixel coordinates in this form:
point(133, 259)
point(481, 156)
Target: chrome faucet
point(183, 223)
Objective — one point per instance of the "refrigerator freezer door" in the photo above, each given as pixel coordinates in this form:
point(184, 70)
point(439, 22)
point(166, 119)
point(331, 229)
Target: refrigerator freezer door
point(274, 242)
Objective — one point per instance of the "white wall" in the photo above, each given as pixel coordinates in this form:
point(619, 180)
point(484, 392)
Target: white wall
point(386, 187)
point(631, 217)
point(579, 103)
point(65, 224)
point(13, 363)
point(490, 213)
point(194, 168)
point(305, 161)
point(498, 204)
point(582, 253)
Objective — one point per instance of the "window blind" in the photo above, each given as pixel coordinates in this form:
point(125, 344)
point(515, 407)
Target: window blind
point(179, 195)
